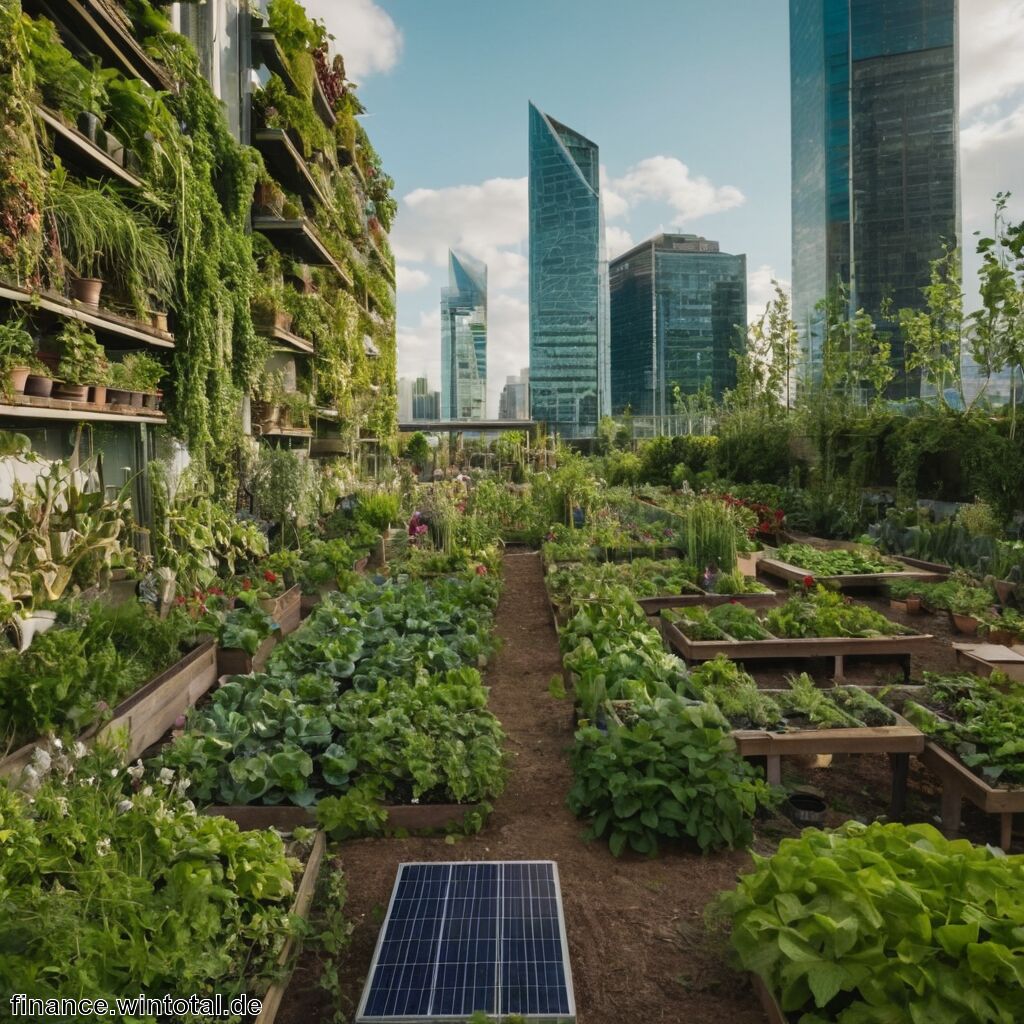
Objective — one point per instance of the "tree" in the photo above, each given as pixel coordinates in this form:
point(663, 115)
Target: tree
point(856, 357)
point(935, 337)
point(417, 451)
point(999, 323)
point(766, 365)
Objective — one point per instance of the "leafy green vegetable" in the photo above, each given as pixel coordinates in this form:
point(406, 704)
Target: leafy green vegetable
point(860, 561)
point(884, 923)
point(824, 613)
point(739, 622)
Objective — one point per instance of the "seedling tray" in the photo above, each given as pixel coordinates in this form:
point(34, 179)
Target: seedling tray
point(149, 712)
point(895, 648)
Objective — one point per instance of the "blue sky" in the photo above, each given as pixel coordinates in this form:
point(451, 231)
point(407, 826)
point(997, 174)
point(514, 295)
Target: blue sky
point(687, 99)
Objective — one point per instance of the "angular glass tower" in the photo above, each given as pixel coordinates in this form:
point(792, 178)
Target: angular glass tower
point(464, 340)
point(678, 313)
point(876, 187)
point(569, 329)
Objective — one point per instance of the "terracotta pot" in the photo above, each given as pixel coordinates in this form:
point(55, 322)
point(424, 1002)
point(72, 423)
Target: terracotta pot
point(39, 387)
point(118, 396)
point(159, 321)
point(72, 392)
point(966, 624)
point(98, 394)
point(1005, 590)
point(151, 399)
point(913, 605)
point(87, 290)
point(1005, 637)
point(18, 377)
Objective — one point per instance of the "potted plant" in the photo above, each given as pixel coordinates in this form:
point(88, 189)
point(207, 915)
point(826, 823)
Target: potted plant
point(268, 310)
point(266, 406)
point(296, 409)
point(83, 363)
point(17, 357)
point(269, 198)
point(134, 380)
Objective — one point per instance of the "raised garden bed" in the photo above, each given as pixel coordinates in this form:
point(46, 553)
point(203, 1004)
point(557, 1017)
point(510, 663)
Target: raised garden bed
point(773, 565)
point(286, 960)
point(895, 648)
point(285, 817)
point(149, 712)
point(958, 782)
point(983, 659)
point(233, 661)
point(285, 610)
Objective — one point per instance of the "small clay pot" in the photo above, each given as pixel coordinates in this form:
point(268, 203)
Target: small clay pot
point(87, 290)
point(18, 378)
point(72, 392)
point(38, 387)
point(98, 394)
point(966, 624)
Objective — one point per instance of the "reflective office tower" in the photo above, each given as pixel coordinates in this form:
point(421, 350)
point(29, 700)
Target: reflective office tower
point(569, 368)
point(404, 399)
point(678, 313)
point(464, 339)
point(875, 166)
point(426, 404)
point(514, 403)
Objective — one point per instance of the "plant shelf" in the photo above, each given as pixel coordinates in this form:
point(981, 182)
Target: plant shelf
point(79, 151)
point(298, 239)
point(921, 572)
point(101, 29)
point(288, 432)
point(897, 648)
point(286, 163)
point(322, 105)
point(286, 338)
point(30, 407)
point(148, 713)
point(112, 326)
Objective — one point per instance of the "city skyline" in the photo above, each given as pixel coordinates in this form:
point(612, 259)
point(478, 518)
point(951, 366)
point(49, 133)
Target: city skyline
point(719, 166)
point(464, 339)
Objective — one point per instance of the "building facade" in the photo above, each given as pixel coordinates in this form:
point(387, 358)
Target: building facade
point(678, 315)
point(514, 403)
point(875, 176)
point(464, 339)
point(426, 404)
point(569, 328)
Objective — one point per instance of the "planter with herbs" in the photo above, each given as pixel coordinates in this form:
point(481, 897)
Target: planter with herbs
point(974, 727)
point(816, 624)
point(246, 635)
point(847, 568)
point(102, 673)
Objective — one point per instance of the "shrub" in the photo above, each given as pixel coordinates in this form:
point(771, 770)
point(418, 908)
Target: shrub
point(753, 447)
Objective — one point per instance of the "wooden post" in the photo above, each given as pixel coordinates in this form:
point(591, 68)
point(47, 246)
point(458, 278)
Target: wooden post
point(773, 769)
point(952, 800)
point(840, 669)
point(900, 774)
point(1006, 830)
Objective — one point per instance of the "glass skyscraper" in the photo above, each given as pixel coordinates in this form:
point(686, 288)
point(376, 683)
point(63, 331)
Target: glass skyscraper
point(678, 313)
point(569, 350)
point(875, 157)
point(464, 340)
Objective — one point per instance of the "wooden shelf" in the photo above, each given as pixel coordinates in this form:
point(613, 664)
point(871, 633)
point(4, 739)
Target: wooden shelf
point(288, 432)
point(100, 320)
point(321, 104)
point(29, 407)
point(286, 163)
point(292, 341)
point(267, 50)
point(100, 29)
point(298, 239)
point(81, 153)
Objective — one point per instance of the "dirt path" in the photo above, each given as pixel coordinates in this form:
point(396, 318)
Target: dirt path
point(637, 943)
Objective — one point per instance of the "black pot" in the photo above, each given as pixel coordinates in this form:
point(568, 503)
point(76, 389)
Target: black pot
point(88, 124)
point(39, 387)
point(806, 809)
point(117, 396)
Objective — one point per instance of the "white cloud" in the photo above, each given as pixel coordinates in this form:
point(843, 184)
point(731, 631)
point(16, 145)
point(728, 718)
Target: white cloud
point(991, 52)
point(410, 279)
point(364, 34)
point(419, 348)
point(615, 206)
point(488, 221)
point(668, 180)
point(761, 290)
point(617, 240)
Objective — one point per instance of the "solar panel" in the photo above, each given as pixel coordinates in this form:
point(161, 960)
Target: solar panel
point(471, 935)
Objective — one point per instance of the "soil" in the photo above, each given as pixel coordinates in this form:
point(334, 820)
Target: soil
point(638, 946)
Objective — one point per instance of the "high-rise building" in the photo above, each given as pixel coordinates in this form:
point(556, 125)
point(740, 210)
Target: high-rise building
point(426, 404)
point(404, 399)
point(464, 339)
point(569, 369)
point(875, 165)
point(514, 403)
point(678, 313)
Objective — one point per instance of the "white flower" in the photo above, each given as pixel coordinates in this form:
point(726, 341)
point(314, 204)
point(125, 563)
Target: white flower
point(103, 846)
point(166, 776)
point(62, 804)
point(89, 781)
point(113, 773)
point(189, 806)
point(80, 750)
point(136, 770)
point(415, 800)
point(124, 807)
point(41, 759)
point(31, 780)
point(147, 791)
point(58, 744)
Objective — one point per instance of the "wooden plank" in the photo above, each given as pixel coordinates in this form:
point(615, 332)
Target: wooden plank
point(233, 661)
point(149, 712)
point(31, 407)
point(274, 995)
point(769, 1003)
point(653, 605)
point(985, 797)
point(69, 140)
point(287, 817)
point(794, 573)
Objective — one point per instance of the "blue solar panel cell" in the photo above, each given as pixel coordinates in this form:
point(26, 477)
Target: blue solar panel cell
point(464, 937)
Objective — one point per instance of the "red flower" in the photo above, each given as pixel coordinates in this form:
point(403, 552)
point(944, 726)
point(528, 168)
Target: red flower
point(179, 600)
point(481, 570)
point(808, 582)
point(216, 591)
point(270, 577)
point(247, 584)
point(732, 600)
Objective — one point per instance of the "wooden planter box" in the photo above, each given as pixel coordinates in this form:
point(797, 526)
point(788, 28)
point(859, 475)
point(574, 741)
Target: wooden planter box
point(288, 956)
point(286, 817)
point(285, 610)
point(896, 648)
point(983, 659)
point(768, 1002)
point(958, 782)
point(233, 661)
point(149, 712)
point(653, 605)
point(795, 574)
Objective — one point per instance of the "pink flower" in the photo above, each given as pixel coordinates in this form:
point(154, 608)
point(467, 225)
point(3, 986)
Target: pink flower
point(481, 570)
